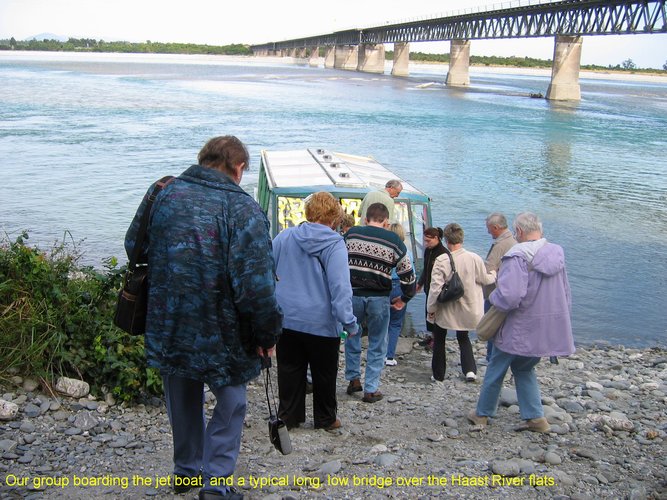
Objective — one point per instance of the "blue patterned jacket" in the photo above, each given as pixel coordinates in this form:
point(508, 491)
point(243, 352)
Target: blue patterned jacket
point(212, 279)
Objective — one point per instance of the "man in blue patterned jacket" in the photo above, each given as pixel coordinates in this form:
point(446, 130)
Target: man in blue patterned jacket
point(212, 310)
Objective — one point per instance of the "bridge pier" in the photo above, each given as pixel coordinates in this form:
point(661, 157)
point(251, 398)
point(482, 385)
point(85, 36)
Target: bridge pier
point(346, 57)
point(314, 58)
point(564, 84)
point(371, 58)
point(401, 59)
point(459, 64)
point(329, 56)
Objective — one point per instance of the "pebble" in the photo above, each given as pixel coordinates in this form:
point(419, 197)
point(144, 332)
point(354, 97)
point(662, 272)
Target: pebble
point(605, 405)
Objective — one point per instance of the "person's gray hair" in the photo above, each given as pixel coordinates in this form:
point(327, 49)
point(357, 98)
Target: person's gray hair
point(497, 219)
point(528, 222)
point(394, 183)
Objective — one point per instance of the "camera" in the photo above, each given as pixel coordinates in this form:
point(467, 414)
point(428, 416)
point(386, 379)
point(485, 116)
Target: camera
point(279, 435)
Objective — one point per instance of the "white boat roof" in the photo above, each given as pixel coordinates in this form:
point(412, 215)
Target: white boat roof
point(319, 167)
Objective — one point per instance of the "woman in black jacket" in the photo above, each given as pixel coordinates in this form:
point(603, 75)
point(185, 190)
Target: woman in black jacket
point(434, 248)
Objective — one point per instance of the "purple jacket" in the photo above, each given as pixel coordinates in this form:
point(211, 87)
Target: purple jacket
point(534, 290)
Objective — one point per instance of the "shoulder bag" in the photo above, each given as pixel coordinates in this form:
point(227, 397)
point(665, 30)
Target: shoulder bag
point(490, 323)
point(132, 302)
point(453, 289)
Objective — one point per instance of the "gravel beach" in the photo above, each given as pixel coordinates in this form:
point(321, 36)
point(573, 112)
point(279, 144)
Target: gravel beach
point(607, 406)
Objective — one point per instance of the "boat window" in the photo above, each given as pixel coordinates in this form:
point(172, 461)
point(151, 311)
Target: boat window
point(352, 206)
point(291, 212)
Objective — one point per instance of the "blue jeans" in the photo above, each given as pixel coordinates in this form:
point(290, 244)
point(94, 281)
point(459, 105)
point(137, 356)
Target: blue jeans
point(489, 343)
point(212, 448)
point(375, 310)
point(395, 320)
point(525, 380)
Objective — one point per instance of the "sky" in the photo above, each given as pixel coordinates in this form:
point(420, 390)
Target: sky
point(223, 22)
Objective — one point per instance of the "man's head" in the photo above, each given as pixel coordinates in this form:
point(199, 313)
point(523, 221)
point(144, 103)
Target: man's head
point(393, 187)
point(377, 215)
point(322, 207)
point(496, 224)
point(226, 154)
point(527, 226)
point(453, 233)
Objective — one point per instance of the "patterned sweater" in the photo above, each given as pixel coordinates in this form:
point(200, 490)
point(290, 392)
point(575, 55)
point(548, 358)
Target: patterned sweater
point(372, 254)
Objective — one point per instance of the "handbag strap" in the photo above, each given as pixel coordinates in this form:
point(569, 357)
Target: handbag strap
point(266, 365)
point(145, 218)
point(451, 258)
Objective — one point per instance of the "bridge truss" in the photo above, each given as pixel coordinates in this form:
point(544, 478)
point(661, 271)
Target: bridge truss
point(569, 17)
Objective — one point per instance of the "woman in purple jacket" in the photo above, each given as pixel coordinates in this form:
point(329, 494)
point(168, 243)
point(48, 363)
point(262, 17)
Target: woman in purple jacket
point(534, 291)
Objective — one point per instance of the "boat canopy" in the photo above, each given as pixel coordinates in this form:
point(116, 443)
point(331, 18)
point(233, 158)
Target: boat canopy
point(286, 178)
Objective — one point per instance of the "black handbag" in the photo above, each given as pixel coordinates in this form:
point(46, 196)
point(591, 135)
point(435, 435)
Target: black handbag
point(453, 289)
point(132, 304)
point(278, 434)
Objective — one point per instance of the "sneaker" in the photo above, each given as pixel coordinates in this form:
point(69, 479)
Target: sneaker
point(535, 424)
point(372, 397)
point(390, 362)
point(471, 377)
point(435, 381)
point(354, 386)
point(476, 419)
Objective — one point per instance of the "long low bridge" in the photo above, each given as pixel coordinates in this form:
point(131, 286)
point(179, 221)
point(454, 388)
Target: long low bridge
point(568, 21)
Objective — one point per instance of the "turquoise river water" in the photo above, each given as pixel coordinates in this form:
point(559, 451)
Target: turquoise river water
point(83, 135)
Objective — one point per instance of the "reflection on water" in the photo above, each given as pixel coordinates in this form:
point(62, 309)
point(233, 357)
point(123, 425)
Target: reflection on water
point(83, 135)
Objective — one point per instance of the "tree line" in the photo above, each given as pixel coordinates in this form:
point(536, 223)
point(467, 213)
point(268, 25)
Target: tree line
point(91, 45)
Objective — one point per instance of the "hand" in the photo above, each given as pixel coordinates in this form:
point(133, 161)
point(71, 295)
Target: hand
point(420, 288)
point(265, 352)
point(397, 304)
point(430, 317)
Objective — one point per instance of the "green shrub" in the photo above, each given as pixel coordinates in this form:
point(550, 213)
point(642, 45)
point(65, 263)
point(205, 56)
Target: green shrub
point(56, 319)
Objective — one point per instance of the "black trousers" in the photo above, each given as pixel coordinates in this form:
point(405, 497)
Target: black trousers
point(294, 352)
point(439, 360)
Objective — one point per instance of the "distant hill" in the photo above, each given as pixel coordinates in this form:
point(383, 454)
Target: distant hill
point(47, 36)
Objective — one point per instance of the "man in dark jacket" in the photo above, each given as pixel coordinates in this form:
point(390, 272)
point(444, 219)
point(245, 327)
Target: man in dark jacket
point(212, 311)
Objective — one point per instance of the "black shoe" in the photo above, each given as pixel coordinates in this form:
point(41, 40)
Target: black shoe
point(231, 494)
point(183, 484)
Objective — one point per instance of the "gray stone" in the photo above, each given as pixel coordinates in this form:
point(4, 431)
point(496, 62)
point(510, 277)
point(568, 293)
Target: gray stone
point(594, 386)
point(32, 410)
point(7, 445)
point(506, 467)
point(552, 458)
point(72, 387)
point(85, 421)
point(385, 459)
point(508, 397)
point(8, 410)
point(533, 452)
point(29, 385)
point(27, 427)
point(29, 438)
point(330, 468)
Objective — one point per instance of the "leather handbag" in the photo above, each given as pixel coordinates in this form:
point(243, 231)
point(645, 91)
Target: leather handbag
point(490, 323)
point(453, 289)
point(132, 304)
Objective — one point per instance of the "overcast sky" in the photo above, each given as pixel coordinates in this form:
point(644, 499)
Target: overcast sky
point(222, 22)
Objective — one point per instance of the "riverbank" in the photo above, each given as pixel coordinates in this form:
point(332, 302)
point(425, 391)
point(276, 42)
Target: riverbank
point(607, 406)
